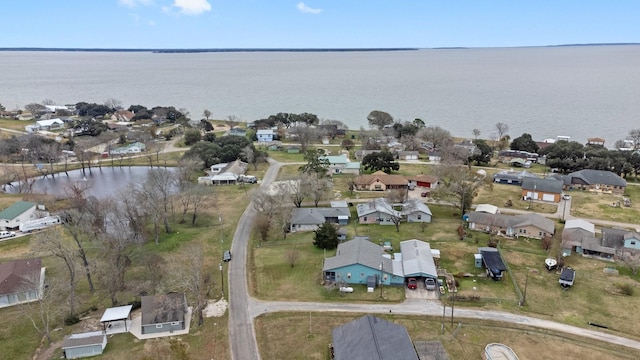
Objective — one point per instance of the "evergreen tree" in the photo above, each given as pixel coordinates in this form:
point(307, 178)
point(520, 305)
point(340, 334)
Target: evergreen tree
point(326, 237)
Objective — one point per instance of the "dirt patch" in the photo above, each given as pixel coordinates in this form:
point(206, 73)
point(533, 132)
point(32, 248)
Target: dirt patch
point(216, 308)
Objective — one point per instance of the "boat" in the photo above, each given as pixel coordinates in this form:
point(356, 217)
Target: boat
point(567, 277)
point(550, 263)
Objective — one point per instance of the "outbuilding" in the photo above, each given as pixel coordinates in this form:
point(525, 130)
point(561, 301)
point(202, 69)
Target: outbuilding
point(82, 345)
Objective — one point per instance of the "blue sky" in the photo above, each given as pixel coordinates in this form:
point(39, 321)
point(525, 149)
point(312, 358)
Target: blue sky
point(315, 23)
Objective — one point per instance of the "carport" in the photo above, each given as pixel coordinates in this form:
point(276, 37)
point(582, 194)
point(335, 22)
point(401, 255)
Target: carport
point(417, 260)
point(118, 313)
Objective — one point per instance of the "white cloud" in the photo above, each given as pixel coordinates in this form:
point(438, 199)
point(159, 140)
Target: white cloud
point(135, 3)
point(191, 7)
point(302, 7)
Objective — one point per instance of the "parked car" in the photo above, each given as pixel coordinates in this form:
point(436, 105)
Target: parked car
point(566, 197)
point(412, 283)
point(7, 234)
point(424, 194)
point(226, 257)
point(430, 283)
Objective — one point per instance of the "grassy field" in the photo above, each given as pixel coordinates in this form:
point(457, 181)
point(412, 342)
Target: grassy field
point(308, 335)
point(15, 124)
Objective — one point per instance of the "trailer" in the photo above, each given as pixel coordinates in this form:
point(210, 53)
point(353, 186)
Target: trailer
point(39, 224)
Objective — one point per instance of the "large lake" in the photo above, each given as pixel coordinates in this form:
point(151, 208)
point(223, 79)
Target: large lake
point(579, 91)
point(100, 182)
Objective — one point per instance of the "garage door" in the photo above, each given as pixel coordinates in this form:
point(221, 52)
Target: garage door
point(548, 197)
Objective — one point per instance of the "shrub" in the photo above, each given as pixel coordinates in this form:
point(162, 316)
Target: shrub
point(71, 319)
point(625, 289)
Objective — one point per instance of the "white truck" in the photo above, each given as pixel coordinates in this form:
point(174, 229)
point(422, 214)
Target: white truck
point(249, 179)
point(39, 224)
point(7, 234)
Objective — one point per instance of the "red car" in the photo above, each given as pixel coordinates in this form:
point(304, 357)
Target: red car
point(412, 283)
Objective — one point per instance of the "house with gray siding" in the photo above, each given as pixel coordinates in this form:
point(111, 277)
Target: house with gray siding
point(309, 219)
point(381, 211)
point(527, 225)
point(163, 313)
point(265, 135)
point(77, 346)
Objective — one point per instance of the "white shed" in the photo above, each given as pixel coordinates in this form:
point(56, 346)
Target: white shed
point(82, 345)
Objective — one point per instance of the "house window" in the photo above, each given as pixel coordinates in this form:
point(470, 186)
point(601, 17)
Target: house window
point(158, 326)
point(540, 233)
point(385, 277)
point(419, 217)
point(377, 187)
point(524, 231)
point(348, 275)
point(364, 218)
point(361, 275)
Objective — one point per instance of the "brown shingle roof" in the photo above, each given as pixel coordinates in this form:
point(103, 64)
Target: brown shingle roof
point(15, 275)
point(382, 177)
point(423, 178)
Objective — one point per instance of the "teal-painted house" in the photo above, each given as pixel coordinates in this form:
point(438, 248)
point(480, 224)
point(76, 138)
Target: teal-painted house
point(358, 260)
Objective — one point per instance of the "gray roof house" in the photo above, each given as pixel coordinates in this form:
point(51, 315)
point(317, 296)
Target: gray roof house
point(163, 313)
point(579, 236)
point(381, 211)
point(548, 189)
point(309, 219)
point(529, 225)
point(417, 259)
point(77, 346)
point(600, 180)
point(372, 338)
point(511, 177)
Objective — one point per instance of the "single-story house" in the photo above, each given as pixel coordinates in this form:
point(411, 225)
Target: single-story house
point(435, 156)
point(597, 180)
point(408, 155)
point(133, 148)
point(512, 177)
point(358, 259)
point(380, 181)
point(77, 346)
point(492, 262)
point(423, 180)
point(309, 219)
point(224, 173)
point(596, 141)
point(18, 213)
point(417, 260)
point(542, 189)
point(236, 131)
point(340, 164)
point(529, 225)
point(21, 281)
point(163, 313)
point(122, 115)
point(381, 211)
point(265, 135)
point(487, 208)
point(372, 338)
point(505, 156)
point(579, 236)
point(50, 124)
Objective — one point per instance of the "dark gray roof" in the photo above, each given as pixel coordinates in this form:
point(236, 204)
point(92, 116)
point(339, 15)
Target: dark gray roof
point(513, 175)
point(613, 238)
point(316, 216)
point(593, 177)
point(566, 180)
point(86, 339)
point(163, 308)
point(545, 185)
point(358, 251)
point(493, 260)
point(372, 338)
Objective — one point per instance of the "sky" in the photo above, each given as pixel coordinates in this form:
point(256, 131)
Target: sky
point(180, 24)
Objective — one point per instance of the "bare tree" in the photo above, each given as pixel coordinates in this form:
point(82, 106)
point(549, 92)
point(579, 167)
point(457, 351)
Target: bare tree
point(207, 114)
point(156, 267)
point(476, 133)
point(82, 225)
point(293, 190)
point(250, 155)
point(263, 226)
point(232, 120)
point(501, 129)
point(186, 171)
point(193, 197)
point(154, 194)
point(292, 256)
point(34, 109)
point(436, 135)
point(304, 134)
point(52, 241)
point(188, 274)
point(45, 310)
point(634, 136)
point(632, 260)
point(390, 210)
point(318, 187)
point(459, 183)
point(113, 104)
point(48, 102)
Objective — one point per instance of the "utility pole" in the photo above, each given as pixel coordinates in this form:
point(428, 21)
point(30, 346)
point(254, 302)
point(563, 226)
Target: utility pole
point(222, 279)
point(381, 280)
point(453, 302)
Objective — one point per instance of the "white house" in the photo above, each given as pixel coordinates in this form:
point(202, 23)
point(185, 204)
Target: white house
point(265, 135)
point(45, 125)
point(21, 281)
point(18, 213)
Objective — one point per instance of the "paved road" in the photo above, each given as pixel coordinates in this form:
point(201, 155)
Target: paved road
point(242, 336)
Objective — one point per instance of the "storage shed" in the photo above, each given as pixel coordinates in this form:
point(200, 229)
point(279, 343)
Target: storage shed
point(82, 345)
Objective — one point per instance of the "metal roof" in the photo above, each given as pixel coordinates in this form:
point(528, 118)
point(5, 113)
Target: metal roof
point(545, 185)
point(116, 313)
point(16, 210)
point(417, 259)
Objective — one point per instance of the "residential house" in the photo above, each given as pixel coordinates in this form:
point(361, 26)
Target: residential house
point(408, 155)
point(372, 338)
point(381, 211)
point(423, 181)
point(21, 281)
point(45, 125)
point(265, 135)
point(548, 189)
point(381, 181)
point(597, 180)
point(506, 156)
point(579, 236)
point(596, 141)
point(487, 208)
point(359, 260)
point(77, 346)
point(417, 260)
point(122, 115)
point(133, 148)
point(237, 131)
point(163, 313)
point(434, 156)
point(528, 225)
point(224, 173)
point(340, 164)
point(511, 177)
point(309, 219)
point(18, 213)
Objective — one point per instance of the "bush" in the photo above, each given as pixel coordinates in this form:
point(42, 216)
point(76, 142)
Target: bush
point(192, 136)
point(625, 289)
point(71, 319)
